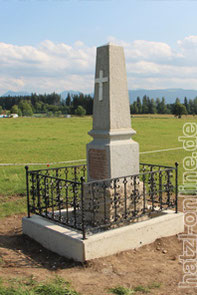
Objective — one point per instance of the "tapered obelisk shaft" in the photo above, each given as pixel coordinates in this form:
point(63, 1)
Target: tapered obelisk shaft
point(112, 153)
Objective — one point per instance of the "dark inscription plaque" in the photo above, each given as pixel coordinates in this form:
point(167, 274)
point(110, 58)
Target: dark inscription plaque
point(97, 164)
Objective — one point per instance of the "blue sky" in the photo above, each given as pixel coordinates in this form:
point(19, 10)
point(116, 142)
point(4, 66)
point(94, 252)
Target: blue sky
point(49, 45)
point(93, 21)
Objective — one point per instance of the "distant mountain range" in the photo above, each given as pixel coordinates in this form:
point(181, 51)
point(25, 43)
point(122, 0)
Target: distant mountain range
point(169, 94)
point(13, 93)
point(64, 94)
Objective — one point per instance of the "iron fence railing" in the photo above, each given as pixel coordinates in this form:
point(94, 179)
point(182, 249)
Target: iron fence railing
point(63, 195)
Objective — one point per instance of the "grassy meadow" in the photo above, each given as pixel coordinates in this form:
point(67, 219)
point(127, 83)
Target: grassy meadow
point(46, 140)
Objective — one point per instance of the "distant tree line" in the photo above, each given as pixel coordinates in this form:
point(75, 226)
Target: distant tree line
point(158, 106)
point(80, 104)
point(50, 104)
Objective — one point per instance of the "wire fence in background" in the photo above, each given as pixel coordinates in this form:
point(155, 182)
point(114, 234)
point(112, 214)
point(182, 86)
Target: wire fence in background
point(81, 160)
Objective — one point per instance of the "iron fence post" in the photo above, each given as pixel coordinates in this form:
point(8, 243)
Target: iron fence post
point(176, 183)
point(82, 208)
point(27, 187)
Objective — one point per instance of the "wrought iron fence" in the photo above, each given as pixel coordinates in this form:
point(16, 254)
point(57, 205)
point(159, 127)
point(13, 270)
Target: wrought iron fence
point(55, 193)
point(63, 195)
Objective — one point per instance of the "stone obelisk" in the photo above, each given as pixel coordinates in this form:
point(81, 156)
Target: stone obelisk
point(112, 153)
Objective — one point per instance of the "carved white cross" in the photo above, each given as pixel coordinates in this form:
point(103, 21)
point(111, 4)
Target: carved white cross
point(100, 80)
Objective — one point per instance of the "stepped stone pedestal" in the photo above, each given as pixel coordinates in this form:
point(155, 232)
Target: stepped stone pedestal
point(109, 206)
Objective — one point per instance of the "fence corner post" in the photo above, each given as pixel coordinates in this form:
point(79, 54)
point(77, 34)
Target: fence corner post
point(27, 188)
point(82, 208)
point(176, 184)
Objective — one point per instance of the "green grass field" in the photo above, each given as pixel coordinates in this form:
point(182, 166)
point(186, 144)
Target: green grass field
point(43, 140)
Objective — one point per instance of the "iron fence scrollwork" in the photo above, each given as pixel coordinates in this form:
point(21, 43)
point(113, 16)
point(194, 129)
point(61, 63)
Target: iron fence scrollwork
point(64, 196)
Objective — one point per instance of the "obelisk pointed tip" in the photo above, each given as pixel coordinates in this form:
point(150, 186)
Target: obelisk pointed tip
point(110, 44)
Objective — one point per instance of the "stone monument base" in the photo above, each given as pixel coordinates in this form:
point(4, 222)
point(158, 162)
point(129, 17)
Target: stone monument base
point(68, 243)
point(113, 203)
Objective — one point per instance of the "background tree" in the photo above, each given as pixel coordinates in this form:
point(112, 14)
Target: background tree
point(169, 108)
point(195, 105)
point(152, 107)
point(161, 106)
point(14, 109)
point(52, 108)
point(38, 107)
point(49, 114)
point(139, 105)
point(26, 108)
point(80, 111)
point(186, 105)
point(44, 108)
point(179, 109)
point(158, 101)
point(65, 110)
point(19, 112)
point(68, 100)
point(145, 104)
point(58, 113)
point(1, 110)
point(134, 109)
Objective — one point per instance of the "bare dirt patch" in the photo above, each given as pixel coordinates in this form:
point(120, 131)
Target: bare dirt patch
point(158, 262)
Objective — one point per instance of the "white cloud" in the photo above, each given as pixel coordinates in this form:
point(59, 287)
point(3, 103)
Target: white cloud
point(189, 42)
point(49, 67)
point(57, 67)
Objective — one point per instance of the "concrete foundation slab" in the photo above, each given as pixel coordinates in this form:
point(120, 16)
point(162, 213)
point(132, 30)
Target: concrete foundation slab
point(68, 243)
